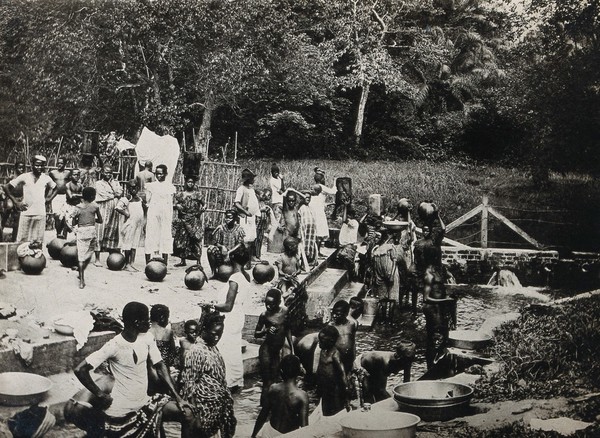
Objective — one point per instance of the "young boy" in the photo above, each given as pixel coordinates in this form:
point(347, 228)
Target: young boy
point(331, 377)
point(346, 342)
point(86, 217)
point(288, 265)
point(273, 326)
point(277, 188)
point(287, 404)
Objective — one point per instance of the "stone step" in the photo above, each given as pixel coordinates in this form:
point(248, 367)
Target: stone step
point(322, 292)
point(352, 289)
point(65, 385)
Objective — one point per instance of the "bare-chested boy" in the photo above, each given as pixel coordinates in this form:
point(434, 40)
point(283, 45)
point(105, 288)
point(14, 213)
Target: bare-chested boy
point(288, 265)
point(287, 404)
point(346, 328)
point(331, 377)
point(273, 326)
point(86, 217)
point(374, 367)
point(61, 177)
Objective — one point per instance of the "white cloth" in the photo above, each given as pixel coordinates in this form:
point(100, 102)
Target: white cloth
point(123, 145)
point(158, 149)
point(230, 344)
point(248, 224)
point(82, 323)
point(34, 192)
point(317, 206)
point(349, 232)
point(59, 205)
point(276, 185)
point(159, 196)
point(247, 197)
point(268, 431)
point(127, 362)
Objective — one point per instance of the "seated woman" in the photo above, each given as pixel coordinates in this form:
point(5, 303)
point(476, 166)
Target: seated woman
point(225, 237)
point(204, 386)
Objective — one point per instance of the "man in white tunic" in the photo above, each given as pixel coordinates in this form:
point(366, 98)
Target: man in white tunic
point(159, 199)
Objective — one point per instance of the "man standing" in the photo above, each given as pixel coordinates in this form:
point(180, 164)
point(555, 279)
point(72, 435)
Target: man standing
point(129, 411)
point(38, 189)
point(10, 212)
point(144, 177)
point(159, 198)
point(61, 177)
point(248, 208)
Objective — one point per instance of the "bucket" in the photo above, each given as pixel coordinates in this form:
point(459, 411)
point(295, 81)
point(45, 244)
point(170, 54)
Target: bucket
point(379, 424)
point(370, 306)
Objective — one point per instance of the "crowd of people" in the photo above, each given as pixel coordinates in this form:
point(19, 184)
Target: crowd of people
point(155, 377)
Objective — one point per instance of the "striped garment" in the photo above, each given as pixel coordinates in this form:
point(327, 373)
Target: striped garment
point(204, 386)
point(142, 423)
point(107, 233)
point(308, 233)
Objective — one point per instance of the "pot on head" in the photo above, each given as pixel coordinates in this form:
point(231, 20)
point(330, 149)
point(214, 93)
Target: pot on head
point(426, 211)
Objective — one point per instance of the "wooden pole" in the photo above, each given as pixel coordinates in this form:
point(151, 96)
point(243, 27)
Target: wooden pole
point(484, 222)
point(235, 148)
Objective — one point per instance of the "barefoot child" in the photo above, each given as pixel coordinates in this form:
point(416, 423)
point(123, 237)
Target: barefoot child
point(273, 326)
point(131, 226)
point(85, 218)
point(331, 377)
point(346, 327)
point(164, 337)
point(287, 404)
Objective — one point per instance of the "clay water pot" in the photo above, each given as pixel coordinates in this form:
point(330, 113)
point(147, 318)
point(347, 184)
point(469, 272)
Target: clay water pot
point(224, 272)
point(54, 247)
point(263, 272)
point(115, 261)
point(195, 279)
point(156, 270)
point(32, 265)
point(404, 206)
point(68, 255)
point(426, 211)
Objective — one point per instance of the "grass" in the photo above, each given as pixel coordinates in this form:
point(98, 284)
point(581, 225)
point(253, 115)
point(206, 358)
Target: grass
point(562, 214)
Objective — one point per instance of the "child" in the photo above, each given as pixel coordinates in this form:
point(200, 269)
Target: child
point(287, 404)
point(317, 206)
point(331, 377)
point(346, 342)
point(277, 188)
point(288, 265)
point(85, 218)
point(263, 221)
point(190, 329)
point(273, 326)
point(164, 337)
point(131, 225)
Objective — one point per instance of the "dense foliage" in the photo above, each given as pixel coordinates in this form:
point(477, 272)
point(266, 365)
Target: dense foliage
point(500, 80)
point(549, 351)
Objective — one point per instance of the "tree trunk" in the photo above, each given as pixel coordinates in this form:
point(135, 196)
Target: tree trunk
point(360, 114)
point(203, 138)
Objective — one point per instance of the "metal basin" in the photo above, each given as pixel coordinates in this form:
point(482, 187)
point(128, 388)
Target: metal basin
point(379, 424)
point(19, 389)
point(469, 339)
point(433, 400)
point(395, 225)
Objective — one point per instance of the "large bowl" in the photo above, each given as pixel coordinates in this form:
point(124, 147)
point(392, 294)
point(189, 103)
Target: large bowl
point(20, 389)
point(469, 339)
point(395, 225)
point(63, 329)
point(379, 424)
point(433, 400)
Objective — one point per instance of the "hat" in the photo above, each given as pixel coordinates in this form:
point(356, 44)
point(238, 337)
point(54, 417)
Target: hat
point(39, 157)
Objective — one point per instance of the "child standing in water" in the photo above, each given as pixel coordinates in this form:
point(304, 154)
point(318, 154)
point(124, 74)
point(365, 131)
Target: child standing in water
point(85, 219)
point(288, 265)
point(273, 326)
point(346, 327)
point(331, 377)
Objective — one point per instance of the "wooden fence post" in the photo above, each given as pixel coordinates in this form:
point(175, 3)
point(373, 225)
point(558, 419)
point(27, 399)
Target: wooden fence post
point(484, 222)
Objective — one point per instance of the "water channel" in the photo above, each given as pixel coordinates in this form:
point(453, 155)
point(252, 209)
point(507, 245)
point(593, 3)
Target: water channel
point(475, 305)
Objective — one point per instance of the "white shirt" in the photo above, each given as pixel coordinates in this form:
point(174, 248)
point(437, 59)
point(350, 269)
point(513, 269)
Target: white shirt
point(248, 194)
point(276, 184)
point(34, 192)
point(159, 195)
point(127, 362)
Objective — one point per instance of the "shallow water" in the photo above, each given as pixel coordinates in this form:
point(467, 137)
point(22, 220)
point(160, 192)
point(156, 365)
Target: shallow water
point(475, 305)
